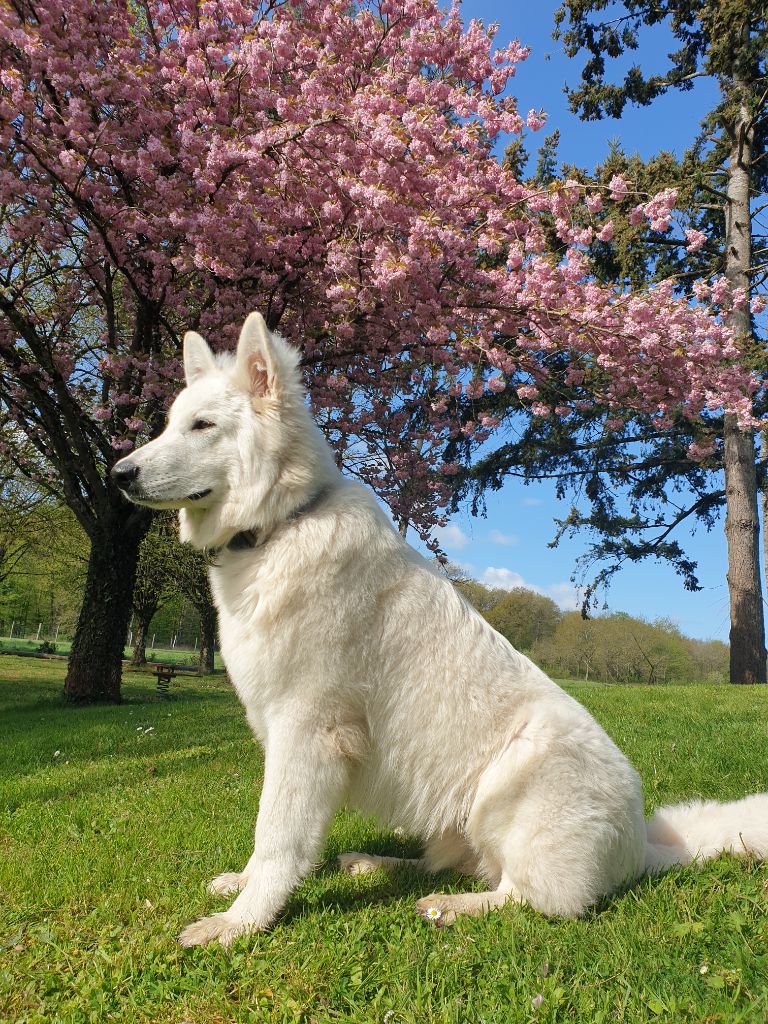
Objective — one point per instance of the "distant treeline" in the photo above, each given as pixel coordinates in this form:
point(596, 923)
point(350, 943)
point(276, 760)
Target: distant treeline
point(616, 648)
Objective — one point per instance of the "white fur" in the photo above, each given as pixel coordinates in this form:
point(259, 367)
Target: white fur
point(369, 679)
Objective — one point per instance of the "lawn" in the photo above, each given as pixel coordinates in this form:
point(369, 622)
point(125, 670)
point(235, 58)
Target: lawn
point(113, 819)
point(168, 655)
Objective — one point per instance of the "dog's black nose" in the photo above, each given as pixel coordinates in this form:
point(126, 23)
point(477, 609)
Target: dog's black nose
point(124, 472)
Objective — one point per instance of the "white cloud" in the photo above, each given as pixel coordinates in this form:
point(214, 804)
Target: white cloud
point(497, 537)
point(451, 537)
point(505, 578)
point(563, 594)
point(532, 501)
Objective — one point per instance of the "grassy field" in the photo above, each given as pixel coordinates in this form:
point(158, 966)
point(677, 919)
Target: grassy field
point(168, 655)
point(113, 819)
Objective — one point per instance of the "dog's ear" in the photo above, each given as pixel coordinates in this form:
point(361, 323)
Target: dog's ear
point(256, 362)
point(198, 358)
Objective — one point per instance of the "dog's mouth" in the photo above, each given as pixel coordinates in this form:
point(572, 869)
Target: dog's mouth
point(161, 501)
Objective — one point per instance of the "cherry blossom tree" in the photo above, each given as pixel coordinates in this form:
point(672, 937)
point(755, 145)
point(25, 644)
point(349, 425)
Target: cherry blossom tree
point(175, 165)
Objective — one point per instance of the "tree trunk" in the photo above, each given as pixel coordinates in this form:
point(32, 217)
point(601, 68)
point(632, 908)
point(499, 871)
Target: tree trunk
point(205, 663)
point(139, 656)
point(742, 528)
point(95, 663)
point(764, 505)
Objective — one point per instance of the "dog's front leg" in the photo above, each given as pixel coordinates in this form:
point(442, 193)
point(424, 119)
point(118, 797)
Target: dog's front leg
point(305, 779)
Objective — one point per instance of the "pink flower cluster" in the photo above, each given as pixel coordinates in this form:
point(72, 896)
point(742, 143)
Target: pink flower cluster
point(696, 240)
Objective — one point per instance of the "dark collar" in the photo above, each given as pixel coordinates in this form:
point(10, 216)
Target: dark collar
point(247, 539)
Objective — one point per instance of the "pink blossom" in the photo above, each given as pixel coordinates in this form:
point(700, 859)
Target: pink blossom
point(594, 202)
point(719, 290)
point(536, 119)
point(606, 232)
point(700, 450)
point(618, 187)
point(696, 240)
point(636, 215)
point(739, 298)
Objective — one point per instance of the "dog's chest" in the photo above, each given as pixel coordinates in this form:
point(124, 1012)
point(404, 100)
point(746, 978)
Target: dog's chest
point(263, 628)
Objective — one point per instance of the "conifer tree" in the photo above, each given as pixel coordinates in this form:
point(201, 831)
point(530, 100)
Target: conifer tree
point(726, 41)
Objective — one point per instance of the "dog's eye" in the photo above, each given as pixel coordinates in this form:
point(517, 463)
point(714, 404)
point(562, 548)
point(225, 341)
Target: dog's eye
point(202, 425)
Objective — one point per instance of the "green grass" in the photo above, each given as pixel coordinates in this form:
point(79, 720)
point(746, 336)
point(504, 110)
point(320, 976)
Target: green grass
point(168, 655)
point(113, 819)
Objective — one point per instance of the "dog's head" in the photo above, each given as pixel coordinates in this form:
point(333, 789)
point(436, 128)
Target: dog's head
point(230, 440)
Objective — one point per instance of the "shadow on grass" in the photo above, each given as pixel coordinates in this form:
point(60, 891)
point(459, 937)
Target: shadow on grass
point(95, 747)
point(343, 892)
point(52, 701)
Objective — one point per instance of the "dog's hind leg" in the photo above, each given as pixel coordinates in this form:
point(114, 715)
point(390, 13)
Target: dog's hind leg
point(448, 850)
point(454, 851)
point(362, 863)
point(549, 834)
point(442, 909)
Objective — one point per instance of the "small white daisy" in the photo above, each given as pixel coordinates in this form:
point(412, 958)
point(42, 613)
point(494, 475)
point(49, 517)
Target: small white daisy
point(433, 914)
point(703, 969)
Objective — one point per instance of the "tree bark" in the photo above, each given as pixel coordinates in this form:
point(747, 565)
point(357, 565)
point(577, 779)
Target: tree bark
point(139, 656)
point(742, 527)
point(95, 663)
point(764, 506)
point(205, 664)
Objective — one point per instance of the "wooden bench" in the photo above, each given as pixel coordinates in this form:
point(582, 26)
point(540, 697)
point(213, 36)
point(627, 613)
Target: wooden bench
point(164, 674)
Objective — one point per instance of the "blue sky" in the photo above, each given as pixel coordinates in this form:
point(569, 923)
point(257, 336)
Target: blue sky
point(509, 547)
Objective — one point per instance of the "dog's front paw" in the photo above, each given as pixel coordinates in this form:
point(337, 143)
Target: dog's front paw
point(226, 884)
point(222, 928)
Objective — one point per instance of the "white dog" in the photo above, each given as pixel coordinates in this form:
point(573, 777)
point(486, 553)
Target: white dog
point(370, 680)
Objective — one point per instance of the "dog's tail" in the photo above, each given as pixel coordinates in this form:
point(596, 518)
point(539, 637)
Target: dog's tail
point(702, 829)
